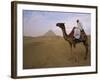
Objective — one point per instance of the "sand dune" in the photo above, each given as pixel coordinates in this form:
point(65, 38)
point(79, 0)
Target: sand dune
point(53, 51)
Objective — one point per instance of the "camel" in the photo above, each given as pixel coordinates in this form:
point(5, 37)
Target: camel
point(71, 40)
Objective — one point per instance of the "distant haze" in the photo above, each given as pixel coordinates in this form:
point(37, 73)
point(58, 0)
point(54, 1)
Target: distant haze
point(37, 23)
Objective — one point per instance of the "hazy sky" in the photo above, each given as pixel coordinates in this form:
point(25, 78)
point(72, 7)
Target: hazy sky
point(37, 23)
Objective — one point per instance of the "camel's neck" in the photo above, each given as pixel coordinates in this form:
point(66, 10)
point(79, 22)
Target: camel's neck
point(64, 34)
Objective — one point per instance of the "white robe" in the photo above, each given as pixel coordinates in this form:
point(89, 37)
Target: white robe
point(77, 33)
point(80, 26)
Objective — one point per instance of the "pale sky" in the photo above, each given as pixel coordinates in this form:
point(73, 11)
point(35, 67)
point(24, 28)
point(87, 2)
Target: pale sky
point(37, 23)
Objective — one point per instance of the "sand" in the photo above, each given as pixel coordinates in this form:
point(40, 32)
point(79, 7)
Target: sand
point(52, 51)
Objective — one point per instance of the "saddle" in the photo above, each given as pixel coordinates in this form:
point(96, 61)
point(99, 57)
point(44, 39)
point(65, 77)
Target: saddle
point(82, 35)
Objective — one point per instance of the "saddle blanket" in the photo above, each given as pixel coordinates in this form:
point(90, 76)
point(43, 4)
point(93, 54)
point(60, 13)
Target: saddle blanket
point(77, 33)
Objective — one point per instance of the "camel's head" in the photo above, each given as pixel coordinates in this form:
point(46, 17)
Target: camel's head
point(61, 25)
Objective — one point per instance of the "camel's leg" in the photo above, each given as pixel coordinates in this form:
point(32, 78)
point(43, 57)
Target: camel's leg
point(74, 44)
point(86, 47)
point(71, 48)
point(73, 55)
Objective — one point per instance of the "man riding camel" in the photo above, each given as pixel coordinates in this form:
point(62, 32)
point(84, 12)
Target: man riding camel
point(78, 31)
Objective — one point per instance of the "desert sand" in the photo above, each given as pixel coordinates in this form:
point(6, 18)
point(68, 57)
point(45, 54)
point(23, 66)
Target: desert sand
point(52, 51)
